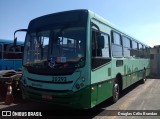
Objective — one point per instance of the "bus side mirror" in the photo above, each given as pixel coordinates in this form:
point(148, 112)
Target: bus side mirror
point(101, 42)
point(15, 38)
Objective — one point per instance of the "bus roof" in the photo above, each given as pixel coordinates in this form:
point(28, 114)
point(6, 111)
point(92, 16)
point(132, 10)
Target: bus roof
point(95, 16)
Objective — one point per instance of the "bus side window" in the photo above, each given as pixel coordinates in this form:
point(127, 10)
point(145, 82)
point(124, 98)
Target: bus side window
point(13, 52)
point(98, 46)
point(116, 44)
point(94, 53)
point(17, 52)
point(9, 51)
point(134, 52)
point(126, 46)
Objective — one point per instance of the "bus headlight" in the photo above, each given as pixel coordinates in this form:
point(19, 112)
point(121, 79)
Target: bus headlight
point(80, 83)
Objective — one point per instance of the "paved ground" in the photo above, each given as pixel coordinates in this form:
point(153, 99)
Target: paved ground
point(134, 101)
point(140, 97)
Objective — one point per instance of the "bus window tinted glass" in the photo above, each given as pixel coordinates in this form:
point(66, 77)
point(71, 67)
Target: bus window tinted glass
point(134, 45)
point(116, 38)
point(126, 46)
point(116, 46)
point(126, 42)
point(105, 50)
point(100, 53)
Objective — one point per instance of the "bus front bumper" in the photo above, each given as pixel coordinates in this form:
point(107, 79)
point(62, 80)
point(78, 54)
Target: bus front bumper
point(80, 99)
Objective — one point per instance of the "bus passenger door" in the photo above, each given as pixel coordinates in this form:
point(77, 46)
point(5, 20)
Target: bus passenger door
point(100, 65)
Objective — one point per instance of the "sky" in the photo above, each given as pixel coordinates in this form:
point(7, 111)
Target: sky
point(137, 18)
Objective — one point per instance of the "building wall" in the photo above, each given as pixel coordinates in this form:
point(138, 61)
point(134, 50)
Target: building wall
point(155, 60)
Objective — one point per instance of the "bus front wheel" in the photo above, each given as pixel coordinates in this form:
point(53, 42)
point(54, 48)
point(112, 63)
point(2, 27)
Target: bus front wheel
point(115, 92)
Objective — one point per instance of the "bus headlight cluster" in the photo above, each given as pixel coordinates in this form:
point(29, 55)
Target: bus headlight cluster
point(79, 84)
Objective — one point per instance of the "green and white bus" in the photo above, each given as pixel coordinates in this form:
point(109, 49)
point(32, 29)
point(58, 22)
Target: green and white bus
point(77, 58)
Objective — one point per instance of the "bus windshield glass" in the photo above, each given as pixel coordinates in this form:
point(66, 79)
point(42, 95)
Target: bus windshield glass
point(62, 47)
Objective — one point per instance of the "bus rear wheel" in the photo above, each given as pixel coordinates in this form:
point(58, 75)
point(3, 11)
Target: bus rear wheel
point(144, 77)
point(115, 92)
point(143, 80)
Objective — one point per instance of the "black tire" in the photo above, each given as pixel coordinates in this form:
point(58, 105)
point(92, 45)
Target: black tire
point(143, 80)
point(116, 92)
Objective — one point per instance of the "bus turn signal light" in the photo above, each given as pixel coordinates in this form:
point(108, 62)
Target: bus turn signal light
point(92, 88)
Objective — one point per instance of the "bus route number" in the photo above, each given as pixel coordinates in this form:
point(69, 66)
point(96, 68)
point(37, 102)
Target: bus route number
point(59, 79)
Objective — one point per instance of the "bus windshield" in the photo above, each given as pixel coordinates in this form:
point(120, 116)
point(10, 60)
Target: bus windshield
point(62, 47)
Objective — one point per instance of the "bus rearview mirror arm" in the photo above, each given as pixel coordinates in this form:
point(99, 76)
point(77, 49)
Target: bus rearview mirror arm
point(15, 38)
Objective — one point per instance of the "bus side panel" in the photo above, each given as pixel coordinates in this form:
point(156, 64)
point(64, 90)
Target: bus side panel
point(101, 92)
point(10, 64)
point(126, 78)
point(6, 64)
point(1, 64)
point(124, 81)
point(135, 71)
point(104, 91)
point(102, 84)
point(17, 64)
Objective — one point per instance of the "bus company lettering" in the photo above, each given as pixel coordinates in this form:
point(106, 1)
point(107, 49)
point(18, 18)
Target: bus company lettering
point(59, 79)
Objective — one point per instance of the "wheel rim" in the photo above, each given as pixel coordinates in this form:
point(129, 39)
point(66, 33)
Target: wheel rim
point(144, 79)
point(116, 92)
point(144, 76)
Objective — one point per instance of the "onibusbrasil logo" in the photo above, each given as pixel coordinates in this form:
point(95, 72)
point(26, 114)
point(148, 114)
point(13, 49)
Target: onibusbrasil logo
point(21, 113)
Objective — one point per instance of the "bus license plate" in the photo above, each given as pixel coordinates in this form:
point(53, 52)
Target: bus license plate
point(46, 96)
